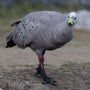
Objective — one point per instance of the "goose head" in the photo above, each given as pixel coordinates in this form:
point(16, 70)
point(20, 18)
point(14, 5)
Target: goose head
point(72, 18)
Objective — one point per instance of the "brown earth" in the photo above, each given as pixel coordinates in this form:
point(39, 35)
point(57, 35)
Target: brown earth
point(16, 56)
point(69, 66)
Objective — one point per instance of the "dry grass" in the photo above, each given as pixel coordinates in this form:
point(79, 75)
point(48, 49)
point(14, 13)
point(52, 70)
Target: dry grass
point(70, 76)
point(81, 38)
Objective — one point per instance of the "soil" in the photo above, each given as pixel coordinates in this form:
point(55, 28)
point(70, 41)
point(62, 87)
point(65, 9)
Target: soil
point(16, 56)
point(69, 66)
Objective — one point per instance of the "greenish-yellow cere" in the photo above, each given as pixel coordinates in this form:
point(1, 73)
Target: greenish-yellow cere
point(70, 20)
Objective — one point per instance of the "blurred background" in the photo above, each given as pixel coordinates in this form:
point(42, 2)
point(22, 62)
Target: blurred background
point(12, 10)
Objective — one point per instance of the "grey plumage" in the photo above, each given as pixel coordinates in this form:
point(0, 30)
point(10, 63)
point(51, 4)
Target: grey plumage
point(41, 31)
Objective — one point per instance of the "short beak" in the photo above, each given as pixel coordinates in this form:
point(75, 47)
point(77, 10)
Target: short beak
point(70, 21)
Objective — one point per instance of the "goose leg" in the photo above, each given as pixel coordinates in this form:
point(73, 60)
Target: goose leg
point(38, 73)
point(39, 69)
point(41, 72)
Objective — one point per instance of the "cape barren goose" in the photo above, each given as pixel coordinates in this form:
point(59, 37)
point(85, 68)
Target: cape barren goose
point(41, 31)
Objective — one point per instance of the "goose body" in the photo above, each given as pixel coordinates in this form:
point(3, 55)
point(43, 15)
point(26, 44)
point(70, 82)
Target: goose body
point(41, 31)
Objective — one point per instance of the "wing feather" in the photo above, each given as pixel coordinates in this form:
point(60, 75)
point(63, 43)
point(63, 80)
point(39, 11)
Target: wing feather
point(15, 23)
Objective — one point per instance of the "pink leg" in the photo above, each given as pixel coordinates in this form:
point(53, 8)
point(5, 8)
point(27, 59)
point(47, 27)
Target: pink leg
point(41, 71)
point(41, 60)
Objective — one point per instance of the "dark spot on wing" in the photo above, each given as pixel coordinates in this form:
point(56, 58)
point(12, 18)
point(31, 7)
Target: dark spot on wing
point(23, 26)
point(32, 26)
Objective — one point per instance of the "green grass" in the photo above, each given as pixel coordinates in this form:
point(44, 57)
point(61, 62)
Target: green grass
point(1, 66)
point(2, 44)
point(20, 65)
point(70, 66)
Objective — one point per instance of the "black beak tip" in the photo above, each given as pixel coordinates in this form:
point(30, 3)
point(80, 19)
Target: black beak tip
point(69, 24)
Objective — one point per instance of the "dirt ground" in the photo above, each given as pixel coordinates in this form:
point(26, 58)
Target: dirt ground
point(69, 66)
point(16, 56)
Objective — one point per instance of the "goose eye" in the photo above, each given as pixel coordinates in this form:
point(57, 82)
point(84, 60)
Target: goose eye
point(74, 18)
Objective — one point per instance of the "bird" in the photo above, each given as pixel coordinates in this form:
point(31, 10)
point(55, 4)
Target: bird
point(42, 31)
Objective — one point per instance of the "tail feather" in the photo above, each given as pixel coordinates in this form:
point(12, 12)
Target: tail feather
point(10, 43)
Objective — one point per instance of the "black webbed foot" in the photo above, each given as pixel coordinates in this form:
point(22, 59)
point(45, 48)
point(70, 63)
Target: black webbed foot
point(37, 75)
point(49, 81)
point(46, 80)
point(38, 72)
point(52, 79)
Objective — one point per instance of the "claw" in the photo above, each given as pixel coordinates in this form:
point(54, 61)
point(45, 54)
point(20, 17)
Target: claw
point(41, 73)
point(52, 80)
point(37, 75)
point(49, 81)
